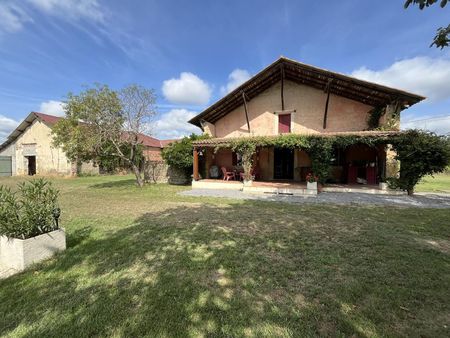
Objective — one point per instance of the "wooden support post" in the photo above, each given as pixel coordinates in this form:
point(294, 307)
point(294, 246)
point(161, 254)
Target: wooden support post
point(325, 115)
point(196, 175)
point(246, 111)
point(282, 87)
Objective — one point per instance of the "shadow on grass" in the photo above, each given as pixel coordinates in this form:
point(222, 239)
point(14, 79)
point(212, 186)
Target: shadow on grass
point(78, 236)
point(226, 271)
point(115, 184)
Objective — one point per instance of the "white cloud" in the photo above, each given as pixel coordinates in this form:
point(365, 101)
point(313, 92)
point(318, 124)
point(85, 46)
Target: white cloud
point(235, 79)
point(52, 108)
point(74, 9)
point(12, 18)
point(173, 124)
point(7, 125)
point(437, 124)
point(421, 75)
point(187, 89)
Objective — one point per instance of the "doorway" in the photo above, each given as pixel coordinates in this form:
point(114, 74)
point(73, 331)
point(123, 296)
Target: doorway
point(283, 164)
point(31, 165)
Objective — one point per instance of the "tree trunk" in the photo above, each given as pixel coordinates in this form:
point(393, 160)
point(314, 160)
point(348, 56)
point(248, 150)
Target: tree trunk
point(137, 173)
point(410, 191)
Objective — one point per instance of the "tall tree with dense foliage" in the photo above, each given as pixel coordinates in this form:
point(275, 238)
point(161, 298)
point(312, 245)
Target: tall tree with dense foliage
point(100, 120)
point(442, 38)
point(420, 153)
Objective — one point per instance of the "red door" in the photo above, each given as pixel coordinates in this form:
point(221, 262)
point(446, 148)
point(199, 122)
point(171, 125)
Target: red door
point(284, 123)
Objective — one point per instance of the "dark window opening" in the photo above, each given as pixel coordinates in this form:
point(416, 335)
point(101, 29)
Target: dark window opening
point(236, 159)
point(31, 165)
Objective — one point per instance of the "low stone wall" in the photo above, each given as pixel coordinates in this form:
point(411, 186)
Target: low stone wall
point(160, 172)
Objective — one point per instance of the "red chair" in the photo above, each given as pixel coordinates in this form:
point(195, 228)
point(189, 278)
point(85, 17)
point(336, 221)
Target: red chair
point(227, 174)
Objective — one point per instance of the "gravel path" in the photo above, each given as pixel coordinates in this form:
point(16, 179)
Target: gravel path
point(421, 200)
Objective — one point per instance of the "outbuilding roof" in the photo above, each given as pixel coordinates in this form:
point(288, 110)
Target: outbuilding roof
point(51, 120)
point(339, 84)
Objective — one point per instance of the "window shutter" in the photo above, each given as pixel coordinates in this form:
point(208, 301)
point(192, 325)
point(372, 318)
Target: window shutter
point(284, 123)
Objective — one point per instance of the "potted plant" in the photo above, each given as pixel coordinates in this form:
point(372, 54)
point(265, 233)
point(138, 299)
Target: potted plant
point(383, 185)
point(29, 227)
point(311, 181)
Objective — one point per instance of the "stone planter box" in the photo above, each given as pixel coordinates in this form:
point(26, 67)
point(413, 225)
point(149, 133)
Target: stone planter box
point(248, 183)
point(383, 185)
point(311, 185)
point(21, 253)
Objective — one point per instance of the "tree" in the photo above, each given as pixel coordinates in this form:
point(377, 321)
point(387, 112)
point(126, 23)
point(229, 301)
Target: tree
point(442, 38)
point(179, 154)
point(420, 153)
point(101, 120)
point(76, 140)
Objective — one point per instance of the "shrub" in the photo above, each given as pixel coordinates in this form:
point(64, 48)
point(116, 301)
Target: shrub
point(420, 153)
point(32, 213)
point(179, 154)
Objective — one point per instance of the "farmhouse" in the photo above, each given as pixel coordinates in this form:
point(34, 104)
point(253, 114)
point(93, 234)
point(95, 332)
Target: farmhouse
point(280, 110)
point(29, 150)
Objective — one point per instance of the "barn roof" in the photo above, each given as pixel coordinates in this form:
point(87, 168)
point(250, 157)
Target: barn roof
point(51, 120)
point(339, 84)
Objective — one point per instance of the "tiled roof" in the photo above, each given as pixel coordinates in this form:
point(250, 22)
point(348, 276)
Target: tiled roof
point(369, 93)
point(376, 133)
point(51, 120)
point(153, 142)
point(48, 119)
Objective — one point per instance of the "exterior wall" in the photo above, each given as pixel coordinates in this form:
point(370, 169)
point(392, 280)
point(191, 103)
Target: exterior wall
point(10, 151)
point(49, 160)
point(343, 114)
point(209, 129)
point(224, 158)
point(160, 172)
point(89, 168)
point(153, 154)
point(264, 161)
point(391, 117)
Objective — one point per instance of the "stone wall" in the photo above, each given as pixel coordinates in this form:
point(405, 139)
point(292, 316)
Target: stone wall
point(160, 172)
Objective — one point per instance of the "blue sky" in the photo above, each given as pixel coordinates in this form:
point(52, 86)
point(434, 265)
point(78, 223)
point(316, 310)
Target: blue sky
point(193, 52)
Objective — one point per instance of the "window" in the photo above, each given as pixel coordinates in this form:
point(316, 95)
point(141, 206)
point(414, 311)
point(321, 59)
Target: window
point(284, 123)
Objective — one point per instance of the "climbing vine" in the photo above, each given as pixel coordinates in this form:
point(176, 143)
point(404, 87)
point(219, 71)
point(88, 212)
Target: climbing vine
point(420, 153)
point(319, 148)
point(373, 120)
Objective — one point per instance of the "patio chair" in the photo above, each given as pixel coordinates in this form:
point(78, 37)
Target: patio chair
point(227, 174)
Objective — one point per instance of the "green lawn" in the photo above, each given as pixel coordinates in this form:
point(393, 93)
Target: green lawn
point(438, 183)
point(147, 262)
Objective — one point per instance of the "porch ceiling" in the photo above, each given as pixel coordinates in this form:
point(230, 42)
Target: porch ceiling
point(210, 142)
point(343, 85)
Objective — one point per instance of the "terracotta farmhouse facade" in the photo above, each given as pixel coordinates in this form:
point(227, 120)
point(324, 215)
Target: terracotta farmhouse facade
point(289, 97)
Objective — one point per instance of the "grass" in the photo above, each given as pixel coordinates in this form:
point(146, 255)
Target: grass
point(438, 183)
point(148, 262)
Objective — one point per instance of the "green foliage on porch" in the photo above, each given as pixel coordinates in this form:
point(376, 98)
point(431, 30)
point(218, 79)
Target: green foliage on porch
point(421, 153)
point(179, 154)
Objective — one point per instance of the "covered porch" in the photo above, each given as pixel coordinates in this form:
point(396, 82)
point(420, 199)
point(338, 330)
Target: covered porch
point(289, 188)
point(355, 167)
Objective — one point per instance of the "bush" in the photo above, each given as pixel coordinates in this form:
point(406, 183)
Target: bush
point(420, 153)
point(33, 213)
point(179, 154)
